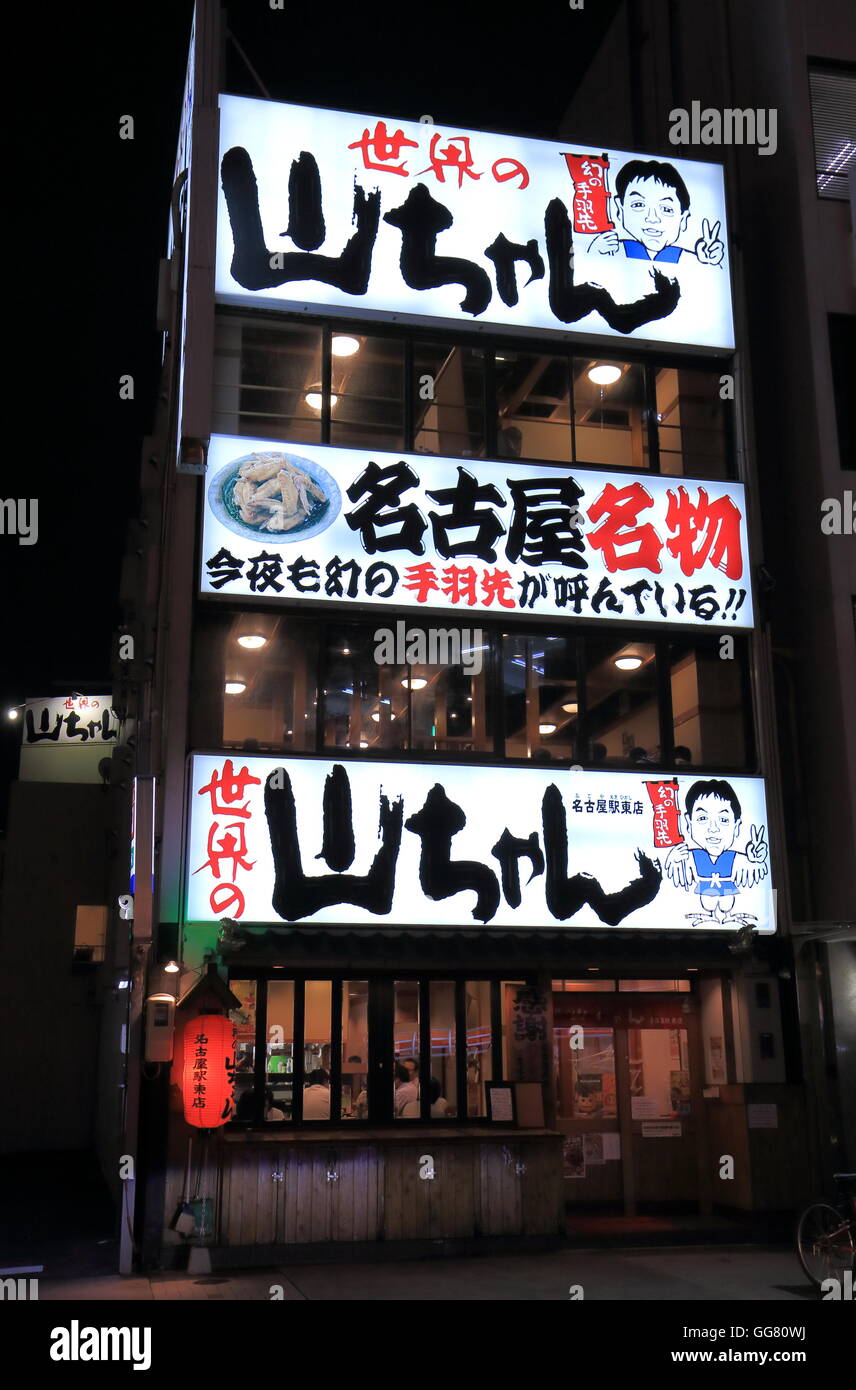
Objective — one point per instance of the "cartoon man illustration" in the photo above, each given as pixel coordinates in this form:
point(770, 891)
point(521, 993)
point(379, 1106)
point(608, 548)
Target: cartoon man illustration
point(653, 206)
point(709, 865)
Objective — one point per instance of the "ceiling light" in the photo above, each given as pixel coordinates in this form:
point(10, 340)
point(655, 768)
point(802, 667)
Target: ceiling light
point(363, 744)
point(376, 716)
point(571, 707)
point(11, 714)
point(235, 687)
point(252, 641)
point(343, 345)
point(346, 651)
point(171, 967)
point(546, 728)
point(628, 663)
point(602, 374)
point(315, 399)
point(414, 682)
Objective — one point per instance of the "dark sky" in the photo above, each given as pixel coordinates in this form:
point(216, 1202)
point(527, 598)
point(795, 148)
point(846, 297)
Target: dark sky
point(93, 221)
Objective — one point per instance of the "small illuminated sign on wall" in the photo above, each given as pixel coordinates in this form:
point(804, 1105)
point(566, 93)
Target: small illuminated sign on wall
point(449, 845)
point(380, 217)
point(72, 720)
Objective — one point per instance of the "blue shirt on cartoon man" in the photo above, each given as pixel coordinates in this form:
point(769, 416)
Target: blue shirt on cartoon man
point(708, 864)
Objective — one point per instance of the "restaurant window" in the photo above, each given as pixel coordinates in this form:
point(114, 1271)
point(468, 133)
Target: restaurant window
point(320, 1053)
point(407, 1058)
point(264, 374)
point(447, 395)
point(367, 391)
point(541, 697)
point(610, 414)
point(422, 690)
point(253, 682)
point(709, 703)
point(584, 1068)
point(622, 708)
point(653, 986)
point(533, 406)
point(355, 1050)
point(279, 1052)
point(691, 423)
point(443, 1079)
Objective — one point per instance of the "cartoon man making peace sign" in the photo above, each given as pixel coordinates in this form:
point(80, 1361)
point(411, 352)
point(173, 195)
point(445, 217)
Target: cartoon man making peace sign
point(709, 866)
point(653, 205)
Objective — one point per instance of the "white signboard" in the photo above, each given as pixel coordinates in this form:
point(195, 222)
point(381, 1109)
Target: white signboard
point(73, 720)
point(377, 217)
point(446, 845)
point(414, 531)
point(661, 1129)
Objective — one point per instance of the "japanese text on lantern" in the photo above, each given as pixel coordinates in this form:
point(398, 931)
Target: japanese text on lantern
point(200, 1071)
point(227, 837)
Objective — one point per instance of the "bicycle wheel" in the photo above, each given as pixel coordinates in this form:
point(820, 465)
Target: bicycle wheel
point(824, 1242)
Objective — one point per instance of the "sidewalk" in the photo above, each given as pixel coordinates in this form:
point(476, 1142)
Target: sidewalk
point(744, 1273)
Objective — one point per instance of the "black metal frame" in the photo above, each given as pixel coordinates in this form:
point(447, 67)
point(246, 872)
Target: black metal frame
point(381, 1056)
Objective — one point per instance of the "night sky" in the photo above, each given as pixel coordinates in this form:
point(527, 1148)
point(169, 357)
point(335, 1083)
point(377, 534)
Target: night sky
point(94, 224)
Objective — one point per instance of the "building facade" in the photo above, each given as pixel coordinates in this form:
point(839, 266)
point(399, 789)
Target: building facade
point(458, 744)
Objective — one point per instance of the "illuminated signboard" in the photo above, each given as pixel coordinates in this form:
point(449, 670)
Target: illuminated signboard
point(70, 721)
point(305, 522)
point(450, 845)
point(378, 217)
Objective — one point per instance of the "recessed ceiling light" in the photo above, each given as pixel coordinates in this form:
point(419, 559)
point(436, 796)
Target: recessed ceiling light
point(363, 744)
point(571, 707)
point(235, 687)
point(546, 728)
point(252, 641)
point(376, 716)
point(346, 651)
point(414, 682)
point(315, 399)
point(343, 345)
point(603, 374)
point(628, 663)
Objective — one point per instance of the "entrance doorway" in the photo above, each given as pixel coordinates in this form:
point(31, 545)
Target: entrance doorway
point(629, 1074)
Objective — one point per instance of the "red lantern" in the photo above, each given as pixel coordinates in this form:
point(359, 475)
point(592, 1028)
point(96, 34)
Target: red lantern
point(208, 1077)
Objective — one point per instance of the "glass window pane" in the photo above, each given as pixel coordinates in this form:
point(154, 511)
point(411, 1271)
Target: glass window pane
point(653, 986)
point(585, 1074)
point(367, 406)
point(707, 707)
point(262, 374)
point(279, 1066)
point(244, 1019)
point(533, 401)
point(623, 723)
point(659, 1073)
point(317, 1048)
point(540, 694)
point(479, 1045)
point(610, 414)
point(443, 1081)
point(435, 700)
point(254, 682)
point(355, 1049)
point(407, 1058)
point(448, 400)
point(596, 986)
point(691, 424)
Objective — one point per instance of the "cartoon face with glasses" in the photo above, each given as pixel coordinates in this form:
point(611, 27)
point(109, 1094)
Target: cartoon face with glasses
point(652, 204)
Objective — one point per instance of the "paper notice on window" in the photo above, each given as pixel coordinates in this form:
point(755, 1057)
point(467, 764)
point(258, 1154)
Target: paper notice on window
point(643, 1107)
point(762, 1116)
point(611, 1147)
point(593, 1148)
point(661, 1129)
point(501, 1107)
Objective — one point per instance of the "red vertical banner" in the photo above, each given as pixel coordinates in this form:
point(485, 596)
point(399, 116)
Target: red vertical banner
point(664, 799)
point(591, 194)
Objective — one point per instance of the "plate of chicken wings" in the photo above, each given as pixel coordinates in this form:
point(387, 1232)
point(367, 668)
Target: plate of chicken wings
point(274, 496)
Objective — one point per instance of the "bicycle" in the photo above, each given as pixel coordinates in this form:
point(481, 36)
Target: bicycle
point(826, 1234)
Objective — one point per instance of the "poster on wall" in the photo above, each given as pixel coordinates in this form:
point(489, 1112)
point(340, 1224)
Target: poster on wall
point(377, 217)
point(312, 523)
point(440, 844)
